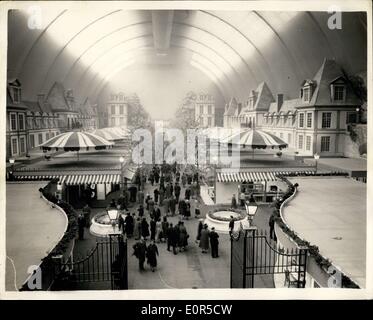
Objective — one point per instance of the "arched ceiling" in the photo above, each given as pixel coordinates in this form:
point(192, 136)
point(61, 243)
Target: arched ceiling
point(237, 50)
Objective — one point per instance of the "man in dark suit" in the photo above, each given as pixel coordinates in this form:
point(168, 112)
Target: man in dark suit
point(231, 226)
point(214, 242)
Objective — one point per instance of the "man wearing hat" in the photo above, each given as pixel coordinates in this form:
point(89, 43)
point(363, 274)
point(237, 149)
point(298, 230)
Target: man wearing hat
point(214, 242)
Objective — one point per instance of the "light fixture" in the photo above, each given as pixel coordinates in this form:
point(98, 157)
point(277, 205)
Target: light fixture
point(251, 208)
point(316, 156)
point(121, 159)
point(12, 160)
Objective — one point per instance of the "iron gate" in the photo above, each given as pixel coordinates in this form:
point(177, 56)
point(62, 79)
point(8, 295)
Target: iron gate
point(107, 261)
point(252, 254)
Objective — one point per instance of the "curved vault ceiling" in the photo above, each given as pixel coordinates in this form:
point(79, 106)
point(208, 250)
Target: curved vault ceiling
point(237, 50)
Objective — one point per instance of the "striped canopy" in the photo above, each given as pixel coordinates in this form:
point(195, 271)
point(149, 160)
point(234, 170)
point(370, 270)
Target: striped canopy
point(256, 139)
point(75, 141)
point(108, 134)
point(123, 132)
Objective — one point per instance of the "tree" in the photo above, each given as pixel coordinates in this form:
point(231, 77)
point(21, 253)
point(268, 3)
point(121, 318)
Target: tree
point(138, 117)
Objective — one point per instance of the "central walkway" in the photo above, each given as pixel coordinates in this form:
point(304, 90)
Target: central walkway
point(189, 269)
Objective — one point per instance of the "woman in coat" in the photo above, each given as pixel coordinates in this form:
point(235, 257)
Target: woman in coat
point(137, 229)
point(204, 239)
point(183, 239)
point(144, 228)
point(158, 231)
point(152, 253)
point(200, 227)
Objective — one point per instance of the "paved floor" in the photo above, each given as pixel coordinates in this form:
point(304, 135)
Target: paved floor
point(331, 213)
point(190, 269)
point(33, 228)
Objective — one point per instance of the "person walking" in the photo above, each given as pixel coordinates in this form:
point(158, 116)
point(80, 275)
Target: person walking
point(161, 196)
point(140, 197)
point(121, 224)
point(204, 239)
point(144, 228)
point(166, 205)
point(199, 229)
point(151, 205)
point(165, 226)
point(175, 238)
point(169, 235)
point(156, 195)
point(182, 208)
point(234, 202)
point(139, 251)
point(242, 199)
point(183, 236)
point(158, 230)
point(152, 253)
point(152, 229)
point(157, 214)
point(183, 180)
point(231, 226)
point(214, 242)
point(187, 209)
point(172, 205)
point(177, 191)
point(187, 193)
point(129, 225)
point(81, 226)
point(141, 211)
point(137, 229)
point(272, 227)
point(87, 215)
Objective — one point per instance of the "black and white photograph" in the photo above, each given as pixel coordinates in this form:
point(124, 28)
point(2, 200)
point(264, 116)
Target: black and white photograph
point(176, 146)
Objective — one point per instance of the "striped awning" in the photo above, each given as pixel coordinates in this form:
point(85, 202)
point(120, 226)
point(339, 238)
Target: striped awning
point(254, 176)
point(92, 179)
point(40, 177)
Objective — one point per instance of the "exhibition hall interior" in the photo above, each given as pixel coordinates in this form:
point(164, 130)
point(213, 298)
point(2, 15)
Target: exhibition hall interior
point(185, 149)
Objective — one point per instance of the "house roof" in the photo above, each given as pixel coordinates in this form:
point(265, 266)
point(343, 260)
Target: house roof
point(264, 98)
point(56, 98)
point(232, 107)
point(325, 76)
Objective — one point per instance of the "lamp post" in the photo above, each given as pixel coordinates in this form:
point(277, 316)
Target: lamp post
point(251, 209)
point(121, 160)
point(113, 216)
point(357, 115)
point(11, 161)
point(317, 157)
point(214, 161)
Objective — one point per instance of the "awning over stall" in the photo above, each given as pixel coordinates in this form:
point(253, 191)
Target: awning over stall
point(254, 176)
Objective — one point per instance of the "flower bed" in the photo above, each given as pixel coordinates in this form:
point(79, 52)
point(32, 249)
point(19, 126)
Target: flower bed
point(226, 217)
point(313, 250)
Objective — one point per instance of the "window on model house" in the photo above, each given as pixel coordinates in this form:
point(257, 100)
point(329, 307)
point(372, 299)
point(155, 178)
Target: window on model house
point(209, 109)
point(289, 138)
point(309, 120)
point(13, 121)
point(201, 109)
point(339, 92)
point(32, 141)
point(325, 144)
point(308, 143)
point(300, 142)
point(113, 109)
point(22, 145)
point(40, 138)
point(301, 120)
point(14, 145)
point(326, 120)
point(209, 121)
point(121, 109)
point(21, 121)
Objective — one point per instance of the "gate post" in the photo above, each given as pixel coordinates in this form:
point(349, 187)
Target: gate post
point(302, 267)
point(249, 256)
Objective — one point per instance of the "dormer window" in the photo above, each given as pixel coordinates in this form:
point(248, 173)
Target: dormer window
point(307, 90)
point(16, 95)
point(339, 93)
point(338, 90)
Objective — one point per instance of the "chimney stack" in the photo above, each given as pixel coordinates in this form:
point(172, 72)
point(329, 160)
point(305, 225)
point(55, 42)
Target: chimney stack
point(280, 101)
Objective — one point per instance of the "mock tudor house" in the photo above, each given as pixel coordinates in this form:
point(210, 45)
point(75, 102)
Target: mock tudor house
point(315, 122)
